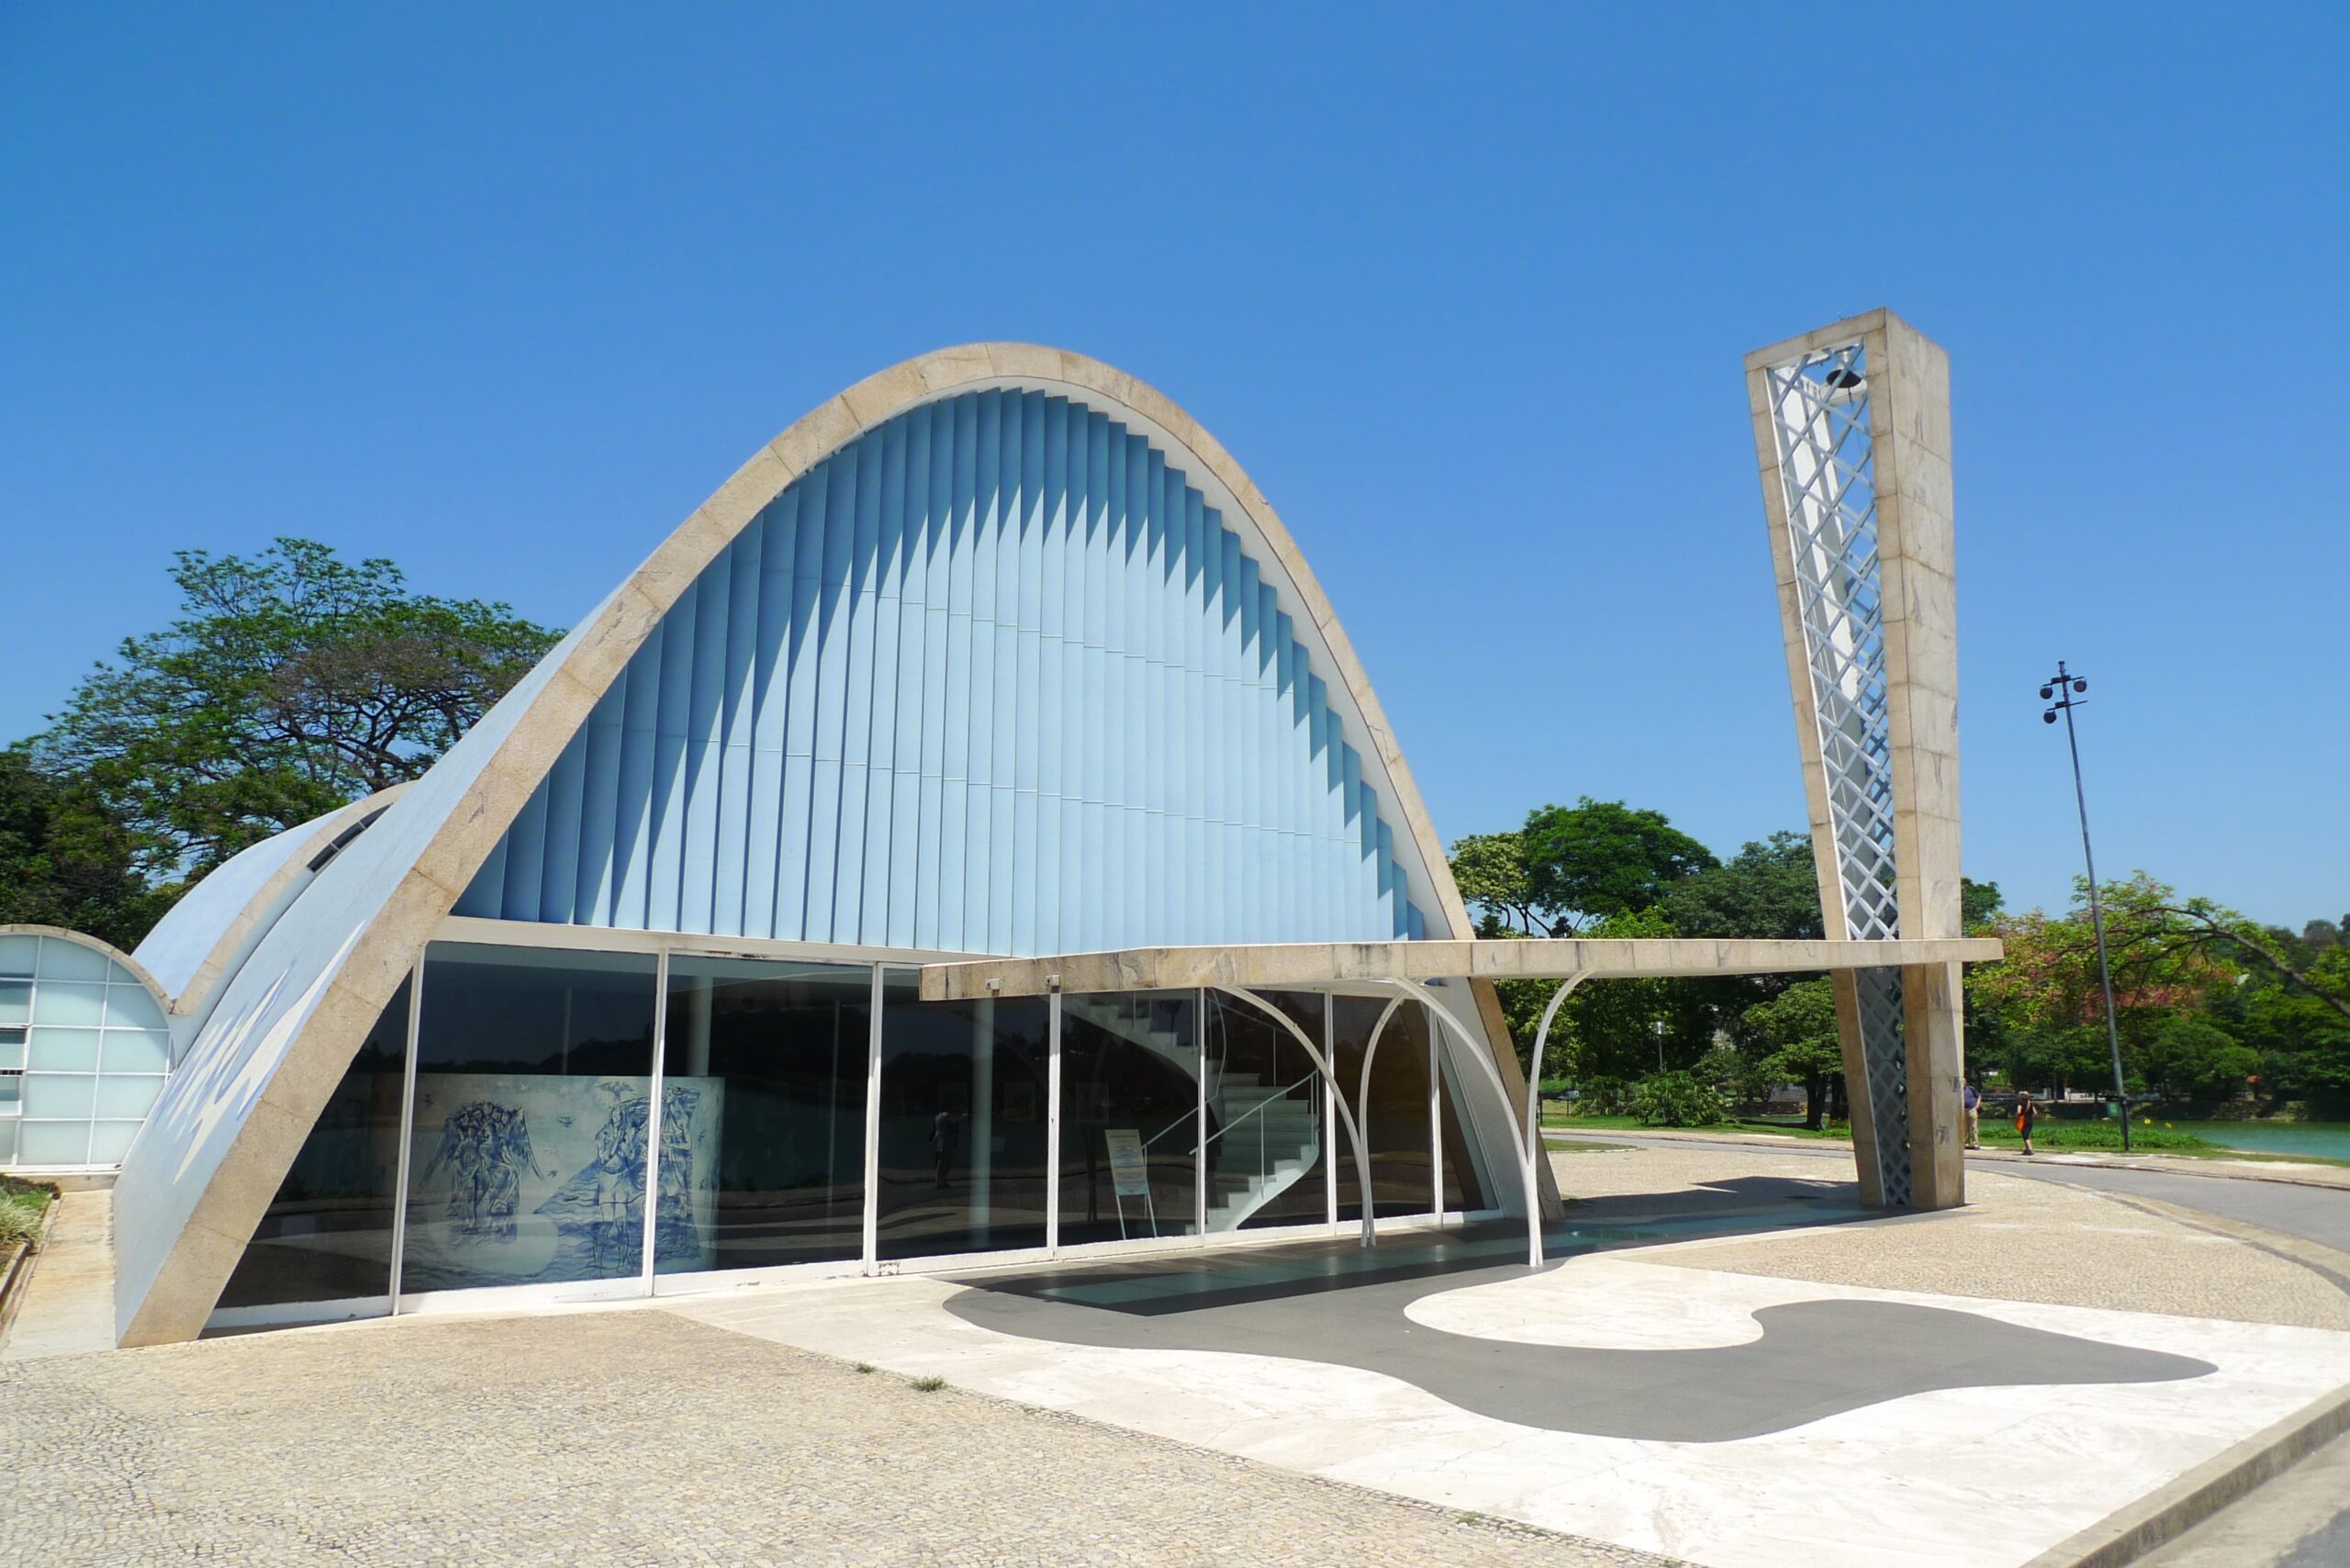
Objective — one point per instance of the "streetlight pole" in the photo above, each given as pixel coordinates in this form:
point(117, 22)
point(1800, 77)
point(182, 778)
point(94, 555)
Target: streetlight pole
point(2063, 692)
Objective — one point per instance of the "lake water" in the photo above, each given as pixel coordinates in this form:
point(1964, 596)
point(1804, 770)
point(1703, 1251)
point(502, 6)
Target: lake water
point(2329, 1140)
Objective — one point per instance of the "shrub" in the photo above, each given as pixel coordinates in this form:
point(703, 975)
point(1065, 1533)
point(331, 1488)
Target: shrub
point(1601, 1096)
point(1677, 1100)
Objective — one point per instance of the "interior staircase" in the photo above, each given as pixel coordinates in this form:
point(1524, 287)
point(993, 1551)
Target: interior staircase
point(1271, 1136)
point(1267, 1134)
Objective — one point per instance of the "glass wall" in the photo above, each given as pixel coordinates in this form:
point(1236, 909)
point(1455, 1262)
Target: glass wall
point(83, 1053)
point(534, 1082)
point(327, 1237)
point(532, 1144)
point(1395, 1124)
point(966, 1124)
point(1465, 1190)
point(1267, 1148)
point(762, 1115)
point(1130, 1116)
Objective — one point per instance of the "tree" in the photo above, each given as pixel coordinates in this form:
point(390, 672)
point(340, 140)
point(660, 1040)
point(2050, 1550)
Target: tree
point(1797, 1028)
point(1490, 871)
point(1600, 860)
point(1980, 903)
point(65, 860)
point(2191, 1058)
point(292, 682)
point(1767, 889)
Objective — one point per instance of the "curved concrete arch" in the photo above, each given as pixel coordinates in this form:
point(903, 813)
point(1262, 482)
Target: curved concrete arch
point(100, 944)
point(200, 942)
point(287, 1025)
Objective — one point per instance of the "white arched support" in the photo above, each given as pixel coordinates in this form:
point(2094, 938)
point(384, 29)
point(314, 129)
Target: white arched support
point(1534, 1082)
point(1531, 1151)
point(1338, 1095)
point(1362, 1106)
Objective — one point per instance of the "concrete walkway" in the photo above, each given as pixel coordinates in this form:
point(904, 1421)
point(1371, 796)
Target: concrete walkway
point(69, 1300)
point(637, 1437)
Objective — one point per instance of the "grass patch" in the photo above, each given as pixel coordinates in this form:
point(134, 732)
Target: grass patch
point(2052, 1134)
point(929, 1384)
point(865, 1366)
point(1736, 1126)
point(2093, 1135)
point(22, 1203)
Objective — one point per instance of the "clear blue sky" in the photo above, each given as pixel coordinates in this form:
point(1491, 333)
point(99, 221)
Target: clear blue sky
point(502, 292)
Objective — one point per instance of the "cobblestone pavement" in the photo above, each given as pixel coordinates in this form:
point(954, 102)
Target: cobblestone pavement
point(637, 1437)
point(2016, 1240)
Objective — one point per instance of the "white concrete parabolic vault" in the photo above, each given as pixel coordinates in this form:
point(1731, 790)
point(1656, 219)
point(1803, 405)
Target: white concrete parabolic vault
point(996, 654)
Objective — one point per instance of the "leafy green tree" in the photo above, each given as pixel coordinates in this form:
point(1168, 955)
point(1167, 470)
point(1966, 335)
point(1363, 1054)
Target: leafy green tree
point(2188, 1057)
point(1798, 1030)
point(1980, 903)
point(1602, 860)
point(1767, 889)
point(292, 682)
point(65, 860)
point(1490, 869)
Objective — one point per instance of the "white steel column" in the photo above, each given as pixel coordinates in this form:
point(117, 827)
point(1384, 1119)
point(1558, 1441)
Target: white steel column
point(1053, 1123)
point(1200, 1140)
point(1329, 1121)
point(873, 1129)
point(408, 1128)
point(651, 1191)
point(1436, 1122)
point(1362, 1094)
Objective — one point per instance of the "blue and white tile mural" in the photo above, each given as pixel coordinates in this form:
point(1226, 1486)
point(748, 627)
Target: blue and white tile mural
point(525, 1179)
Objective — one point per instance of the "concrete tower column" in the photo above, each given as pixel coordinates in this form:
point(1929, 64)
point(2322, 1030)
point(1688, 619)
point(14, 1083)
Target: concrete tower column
point(1852, 433)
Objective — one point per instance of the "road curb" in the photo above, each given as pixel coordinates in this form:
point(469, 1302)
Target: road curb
point(2165, 1514)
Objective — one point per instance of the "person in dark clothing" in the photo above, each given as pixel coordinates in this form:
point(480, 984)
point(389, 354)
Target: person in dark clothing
point(2027, 1114)
point(943, 1138)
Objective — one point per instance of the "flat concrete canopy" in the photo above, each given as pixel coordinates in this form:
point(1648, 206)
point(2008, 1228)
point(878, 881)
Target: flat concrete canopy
point(1323, 963)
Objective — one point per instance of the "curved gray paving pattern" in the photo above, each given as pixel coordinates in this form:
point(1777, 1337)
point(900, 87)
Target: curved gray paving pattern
point(1812, 1359)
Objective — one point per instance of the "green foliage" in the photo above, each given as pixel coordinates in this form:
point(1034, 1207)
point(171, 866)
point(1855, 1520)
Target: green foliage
point(2188, 1057)
point(1796, 1031)
point(2206, 1003)
point(1767, 889)
point(1490, 869)
point(1571, 867)
point(1980, 903)
point(22, 1203)
point(292, 682)
point(1602, 860)
point(66, 859)
point(1677, 1100)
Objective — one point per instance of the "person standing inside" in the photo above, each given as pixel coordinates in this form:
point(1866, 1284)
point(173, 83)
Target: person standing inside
point(2027, 1113)
point(1970, 1099)
point(944, 1136)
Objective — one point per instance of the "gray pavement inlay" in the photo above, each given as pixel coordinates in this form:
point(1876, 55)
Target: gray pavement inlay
point(1332, 1303)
